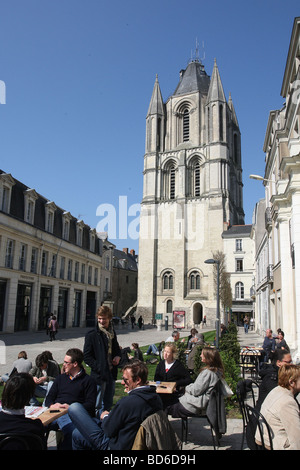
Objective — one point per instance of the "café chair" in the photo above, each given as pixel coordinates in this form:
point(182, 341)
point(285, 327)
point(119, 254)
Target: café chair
point(215, 415)
point(256, 421)
point(21, 441)
point(244, 393)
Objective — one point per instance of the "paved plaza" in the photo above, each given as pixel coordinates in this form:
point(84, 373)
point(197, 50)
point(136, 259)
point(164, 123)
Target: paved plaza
point(199, 437)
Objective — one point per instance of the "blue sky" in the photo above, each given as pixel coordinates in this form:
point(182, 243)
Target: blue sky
point(79, 77)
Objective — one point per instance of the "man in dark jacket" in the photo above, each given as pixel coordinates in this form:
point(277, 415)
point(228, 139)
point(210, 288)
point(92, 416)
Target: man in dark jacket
point(102, 353)
point(74, 385)
point(116, 430)
point(269, 374)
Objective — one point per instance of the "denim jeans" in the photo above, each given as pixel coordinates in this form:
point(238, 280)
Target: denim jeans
point(105, 395)
point(152, 349)
point(88, 433)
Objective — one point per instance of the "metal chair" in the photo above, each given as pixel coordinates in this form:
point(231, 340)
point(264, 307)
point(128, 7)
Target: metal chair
point(256, 421)
point(244, 392)
point(21, 441)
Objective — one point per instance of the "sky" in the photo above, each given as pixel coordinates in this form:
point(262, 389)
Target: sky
point(76, 79)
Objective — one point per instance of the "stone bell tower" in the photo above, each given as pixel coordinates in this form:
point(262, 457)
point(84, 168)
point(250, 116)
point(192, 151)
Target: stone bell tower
point(192, 191)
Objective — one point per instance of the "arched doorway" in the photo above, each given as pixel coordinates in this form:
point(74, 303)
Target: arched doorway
point(197, 313)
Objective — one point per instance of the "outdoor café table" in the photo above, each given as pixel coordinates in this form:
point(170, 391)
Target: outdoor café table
point(250, 358)
point(47, 416)
point(164, 387)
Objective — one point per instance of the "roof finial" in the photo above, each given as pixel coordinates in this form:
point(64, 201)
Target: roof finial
point(195, 57)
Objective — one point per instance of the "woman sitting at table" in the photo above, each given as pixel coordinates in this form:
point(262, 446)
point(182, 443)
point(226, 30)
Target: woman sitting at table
point(16, 395)
point(170, 369)
point(196, 396)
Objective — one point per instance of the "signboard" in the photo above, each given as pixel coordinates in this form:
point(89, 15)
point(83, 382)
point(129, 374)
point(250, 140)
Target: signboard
point(158, 316)
point(178, 319)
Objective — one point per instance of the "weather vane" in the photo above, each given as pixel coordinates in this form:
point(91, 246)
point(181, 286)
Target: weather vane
point(196, 56)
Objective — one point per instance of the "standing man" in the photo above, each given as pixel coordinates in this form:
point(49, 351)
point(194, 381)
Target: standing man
point(116, 430)
point(269, 345)
point(102, 353)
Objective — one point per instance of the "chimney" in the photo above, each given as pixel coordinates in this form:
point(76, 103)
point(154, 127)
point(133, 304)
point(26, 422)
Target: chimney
point(132, 252)
point(125, 250)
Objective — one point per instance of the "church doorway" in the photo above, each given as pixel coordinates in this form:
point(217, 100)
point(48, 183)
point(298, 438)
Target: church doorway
point(197, 313)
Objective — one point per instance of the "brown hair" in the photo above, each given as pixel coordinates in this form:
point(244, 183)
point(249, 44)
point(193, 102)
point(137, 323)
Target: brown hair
point(213, 360)
point(104, 311)
point(138, 370)
point(17, 391)
point(288, 373)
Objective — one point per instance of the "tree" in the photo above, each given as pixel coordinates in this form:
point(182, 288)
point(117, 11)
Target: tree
point(224, 281)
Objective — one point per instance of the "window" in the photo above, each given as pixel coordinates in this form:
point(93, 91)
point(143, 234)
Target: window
point(195, 281)
point(9, 254)
point(186, 126)
point(238, 244)
point(239, 291)
point(53, 266)
point(30, 196)
point(6, 184)
point(172, 182)
point(66, 220)
point(92, 240)
point(62, 268)
point(82, 278)
point(90, 275)
point(168, 281)
point(33, 262)
point(44, 263)
point(70, 266)
point(79, 233)
point(239, 265)
point(96, 277)
point(76, 275)
point(22, 259)
point(49, 216)
point(169, 306)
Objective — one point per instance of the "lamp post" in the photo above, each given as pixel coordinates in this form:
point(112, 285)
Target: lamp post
point(260, 178)
point(217, 262)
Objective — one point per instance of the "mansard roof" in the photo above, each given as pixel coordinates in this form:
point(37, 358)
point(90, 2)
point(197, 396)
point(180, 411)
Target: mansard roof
point(239, 231)
point(192, 79)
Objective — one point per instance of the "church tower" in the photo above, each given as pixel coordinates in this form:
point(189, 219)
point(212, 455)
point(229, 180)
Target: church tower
point(192, 191)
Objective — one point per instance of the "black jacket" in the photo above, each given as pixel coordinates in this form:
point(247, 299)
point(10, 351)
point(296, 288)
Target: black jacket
point(124, 420)
point(177, 373)
point(269, 376)
point(95, 353)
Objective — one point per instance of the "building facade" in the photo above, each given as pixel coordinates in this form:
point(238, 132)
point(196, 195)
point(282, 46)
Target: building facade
point(125, 277)
point(282, 207)
point(50, 262)
point(192, 192)
point(239, 254)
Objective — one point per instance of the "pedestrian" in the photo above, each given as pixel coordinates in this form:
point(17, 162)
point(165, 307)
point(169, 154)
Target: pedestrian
point(132, 318)
point(246, 324)
point(140, 322)
point(102, 353)
point(53, 328)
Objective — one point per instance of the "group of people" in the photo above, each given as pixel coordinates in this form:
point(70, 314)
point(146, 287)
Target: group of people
point(277, 394)
point(91, 421)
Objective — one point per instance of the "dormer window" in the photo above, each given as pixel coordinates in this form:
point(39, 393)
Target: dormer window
point(30, 196)
point(6, 184)
point(66, 219)
point(79, 232)
point(92, 240)
point(50, 209)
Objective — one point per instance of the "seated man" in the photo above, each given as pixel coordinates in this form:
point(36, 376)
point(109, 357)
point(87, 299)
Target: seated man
point(75, 385)
point(116, 430)
point(44, 373)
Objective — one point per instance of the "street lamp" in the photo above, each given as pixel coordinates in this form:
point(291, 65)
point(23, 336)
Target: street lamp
point(260, 178)
point(217, 262)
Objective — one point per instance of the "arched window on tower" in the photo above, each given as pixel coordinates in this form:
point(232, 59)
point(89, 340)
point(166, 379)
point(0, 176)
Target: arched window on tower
point(169, 306)
point(168, 280)
point(172, 185)
point(194, 280)
point(186, 126)
point(196, 177)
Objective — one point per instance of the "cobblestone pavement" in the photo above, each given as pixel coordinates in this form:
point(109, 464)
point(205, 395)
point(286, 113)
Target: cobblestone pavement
point(199, 436)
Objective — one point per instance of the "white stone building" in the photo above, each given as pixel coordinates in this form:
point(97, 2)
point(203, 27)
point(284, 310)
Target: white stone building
point(192, 192)
point(50, 262)
point(282, 199)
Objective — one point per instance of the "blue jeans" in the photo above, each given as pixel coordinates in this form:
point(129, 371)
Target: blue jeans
point(152, 349)
point(105, 395)
point(88, 433)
